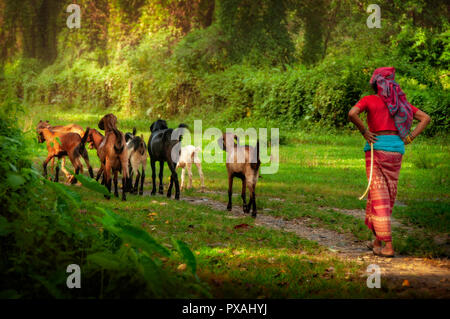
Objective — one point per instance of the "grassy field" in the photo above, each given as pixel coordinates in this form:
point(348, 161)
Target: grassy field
point(320, 177)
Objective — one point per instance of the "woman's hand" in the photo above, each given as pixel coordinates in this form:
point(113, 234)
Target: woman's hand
point(408, 139)
point(369, 136)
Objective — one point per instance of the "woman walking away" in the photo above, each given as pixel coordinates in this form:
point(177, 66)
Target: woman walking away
point(389, 118)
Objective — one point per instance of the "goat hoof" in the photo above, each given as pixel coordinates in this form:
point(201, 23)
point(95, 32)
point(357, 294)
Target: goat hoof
point(141, 193)
point(116, 194)
point(153, 193)
point(161, 192)
point(254, 214)
point(177, 197)
point(107, 197)
point(229, 207)
point(169, 195)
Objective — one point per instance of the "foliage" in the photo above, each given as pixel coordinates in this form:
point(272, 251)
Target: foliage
point(295, 62)
point(46, 226)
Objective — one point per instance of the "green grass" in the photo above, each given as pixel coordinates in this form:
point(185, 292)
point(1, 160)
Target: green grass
point(318, 176)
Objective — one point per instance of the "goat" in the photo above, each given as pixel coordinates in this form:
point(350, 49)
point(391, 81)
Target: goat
point(189, 155)
point(160, 146)
point(69, 128)
point(137, 156)
point(246, 169)
point(95, 138)
point(113, 154)
point(62, 144)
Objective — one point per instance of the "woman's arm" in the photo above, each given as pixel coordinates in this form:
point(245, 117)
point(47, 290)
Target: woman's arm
point(353, 116)
point(424, 119)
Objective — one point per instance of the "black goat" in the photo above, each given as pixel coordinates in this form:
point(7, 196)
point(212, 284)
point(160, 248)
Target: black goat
point(160, 146)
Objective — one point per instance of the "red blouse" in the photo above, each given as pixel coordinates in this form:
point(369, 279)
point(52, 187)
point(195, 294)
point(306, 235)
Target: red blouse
point(378, 116)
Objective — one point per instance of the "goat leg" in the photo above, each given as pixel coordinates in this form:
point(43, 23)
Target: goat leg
point(107, 177)
point(152, 164)
point(161, 170)
point(56, 173)
point(177, 185)
point(108, 186)
point(253, 201)
point(142, 182)
point(189, 168)
point(182, 178)
point(245, 207)
point(136, 184)
point(116, 192)
point(124, 196)
point(129, 181)
point(230, 191)
point(44, 165)
point(169, 190)
point(86, 160)
point(99, 173)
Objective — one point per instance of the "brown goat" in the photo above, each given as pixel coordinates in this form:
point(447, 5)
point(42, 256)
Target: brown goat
point(62, 144)
point(242, 162)
point(95, 138)
point(69, 128)
point(113, 154)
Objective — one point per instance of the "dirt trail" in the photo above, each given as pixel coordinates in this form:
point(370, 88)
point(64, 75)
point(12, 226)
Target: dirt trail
point(425, 276)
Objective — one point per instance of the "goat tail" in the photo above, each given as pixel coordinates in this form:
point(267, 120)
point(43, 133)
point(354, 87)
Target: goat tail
point(118, 146)
point(83, 140)
point(183, 126)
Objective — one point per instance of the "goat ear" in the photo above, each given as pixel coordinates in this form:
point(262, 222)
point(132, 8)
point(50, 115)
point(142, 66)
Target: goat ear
point(101, 125)
point(47, 121)
point(151, 127)
point(221, 143)
point(134, 131)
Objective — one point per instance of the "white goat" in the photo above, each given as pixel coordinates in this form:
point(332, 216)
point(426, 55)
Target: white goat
point(189, 155)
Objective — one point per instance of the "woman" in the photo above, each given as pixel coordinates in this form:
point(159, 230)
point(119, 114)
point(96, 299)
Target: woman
point(389, 119)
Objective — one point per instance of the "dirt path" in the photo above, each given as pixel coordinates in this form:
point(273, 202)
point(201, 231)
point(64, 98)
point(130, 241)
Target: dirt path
point(424, 276)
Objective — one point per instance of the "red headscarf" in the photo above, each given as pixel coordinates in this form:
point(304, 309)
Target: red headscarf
point(394, 98)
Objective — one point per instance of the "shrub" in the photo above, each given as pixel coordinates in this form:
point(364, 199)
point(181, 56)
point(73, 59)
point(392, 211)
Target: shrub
point(45, 226)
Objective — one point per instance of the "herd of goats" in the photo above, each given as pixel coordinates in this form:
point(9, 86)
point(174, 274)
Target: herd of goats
point(127, 154)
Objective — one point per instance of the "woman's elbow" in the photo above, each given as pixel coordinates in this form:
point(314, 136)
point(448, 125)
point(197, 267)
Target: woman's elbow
point(351, 115)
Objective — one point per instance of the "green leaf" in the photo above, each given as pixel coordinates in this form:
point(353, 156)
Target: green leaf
point(187, 254)
point(92, 184)
point(5, 226)
point(137, 237)
point(13, 167)
point(64, 191)
point(14, 180)
point(105, 260)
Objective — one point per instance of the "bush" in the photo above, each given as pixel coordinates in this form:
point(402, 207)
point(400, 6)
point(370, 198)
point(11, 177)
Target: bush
point(45, 226)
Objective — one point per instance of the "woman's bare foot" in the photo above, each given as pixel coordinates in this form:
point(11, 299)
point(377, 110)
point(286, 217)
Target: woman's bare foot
point(388, 250)
point(375, 244)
